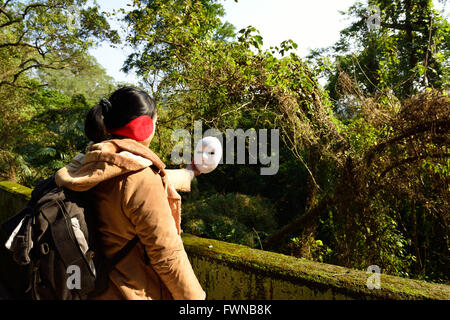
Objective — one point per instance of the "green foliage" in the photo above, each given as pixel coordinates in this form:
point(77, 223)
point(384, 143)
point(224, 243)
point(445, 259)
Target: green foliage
point(409, 52)
point(320, 251)
point(364, 165)
point(42, 35)
point(231, 217)
point(90, 80)
point(55, 136)
point(47, 137)
point(13, 165)
point(163, 31)
point(47, 41)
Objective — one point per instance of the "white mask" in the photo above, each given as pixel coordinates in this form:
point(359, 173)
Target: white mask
point(207, 154)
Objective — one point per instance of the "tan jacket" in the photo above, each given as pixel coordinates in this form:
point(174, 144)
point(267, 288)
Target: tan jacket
point(131, 198)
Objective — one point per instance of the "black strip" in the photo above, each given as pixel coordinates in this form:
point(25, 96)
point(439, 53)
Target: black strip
point(124, 251)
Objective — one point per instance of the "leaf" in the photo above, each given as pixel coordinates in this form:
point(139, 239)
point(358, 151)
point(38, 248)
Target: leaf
point(46, 152)
point(259, 39)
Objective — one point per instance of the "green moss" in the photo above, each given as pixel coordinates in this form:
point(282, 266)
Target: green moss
point(13, 198)
point(15, 188)
point(320, 276)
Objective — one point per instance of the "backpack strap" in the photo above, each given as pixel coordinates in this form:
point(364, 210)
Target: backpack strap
point(122, 252)
point(69, 251)
point(105, 266)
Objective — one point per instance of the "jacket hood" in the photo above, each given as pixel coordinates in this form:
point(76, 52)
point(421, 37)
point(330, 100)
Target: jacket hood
point(106, 160)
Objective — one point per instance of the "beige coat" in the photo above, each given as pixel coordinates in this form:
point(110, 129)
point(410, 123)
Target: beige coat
point(133, 199)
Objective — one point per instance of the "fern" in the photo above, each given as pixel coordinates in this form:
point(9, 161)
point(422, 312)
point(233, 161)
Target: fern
point(47, 152)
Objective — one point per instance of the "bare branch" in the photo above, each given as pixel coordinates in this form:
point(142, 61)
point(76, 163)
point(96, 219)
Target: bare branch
point(19, 86)
point(420, 128)
point(414, 159)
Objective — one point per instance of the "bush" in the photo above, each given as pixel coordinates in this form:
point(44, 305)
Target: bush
point(231, 217)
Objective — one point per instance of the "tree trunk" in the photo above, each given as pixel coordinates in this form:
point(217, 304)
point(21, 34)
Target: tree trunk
point(408, 88)
point(309, 218)
point(415, 239)
point(308, 232)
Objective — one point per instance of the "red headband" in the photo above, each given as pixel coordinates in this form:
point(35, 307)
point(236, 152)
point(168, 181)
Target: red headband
point(138, 129)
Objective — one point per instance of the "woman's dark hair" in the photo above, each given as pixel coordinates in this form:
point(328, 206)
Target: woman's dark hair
point(123, 106)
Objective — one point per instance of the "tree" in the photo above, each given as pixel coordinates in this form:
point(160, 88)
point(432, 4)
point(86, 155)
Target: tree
point(38, 37)
point(91, 80)
point(409, 52)
point(41, 35)
point(163, 33)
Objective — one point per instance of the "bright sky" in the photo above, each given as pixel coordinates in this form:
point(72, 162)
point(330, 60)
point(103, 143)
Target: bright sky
point(311, 24)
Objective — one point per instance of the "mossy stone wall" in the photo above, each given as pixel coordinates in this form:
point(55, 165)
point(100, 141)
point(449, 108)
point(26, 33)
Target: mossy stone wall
point(230, 271)
point(13, 198)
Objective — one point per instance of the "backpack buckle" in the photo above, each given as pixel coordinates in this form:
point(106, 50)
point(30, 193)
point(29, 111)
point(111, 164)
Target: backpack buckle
point(45, 249)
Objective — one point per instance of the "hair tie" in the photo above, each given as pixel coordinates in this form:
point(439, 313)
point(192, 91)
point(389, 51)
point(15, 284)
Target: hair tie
point(106, 105)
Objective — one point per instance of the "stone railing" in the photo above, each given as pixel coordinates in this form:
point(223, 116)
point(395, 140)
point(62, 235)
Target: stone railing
point(230, 271)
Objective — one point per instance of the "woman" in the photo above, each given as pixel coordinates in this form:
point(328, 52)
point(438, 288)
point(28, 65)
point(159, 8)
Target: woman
point(134, 195)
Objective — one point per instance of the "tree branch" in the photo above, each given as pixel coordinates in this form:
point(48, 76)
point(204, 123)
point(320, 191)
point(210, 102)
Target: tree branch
point(6, 4)
point(24, 13)
point(302, 222)
point(15, 85)
point(420, 128)
point(33, 66)
point(414, 159)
